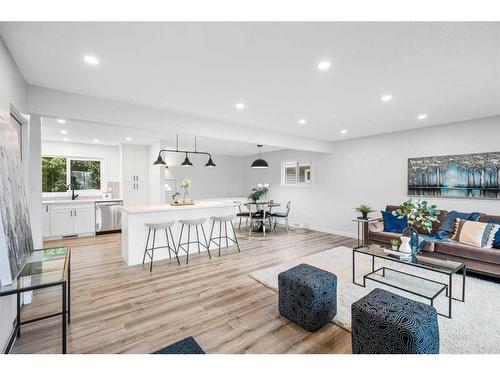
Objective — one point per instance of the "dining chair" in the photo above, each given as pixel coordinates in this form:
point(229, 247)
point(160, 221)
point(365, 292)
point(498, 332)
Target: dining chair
point(282, 215)
point(242, 214)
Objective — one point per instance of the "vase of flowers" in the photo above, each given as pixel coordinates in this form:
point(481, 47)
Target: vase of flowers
point(258, 192)
point(419, 215)
point(186, 184)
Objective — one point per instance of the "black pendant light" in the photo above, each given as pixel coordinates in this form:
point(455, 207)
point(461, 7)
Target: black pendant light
point(186, 162)
point(210, 163)
point(160, 162)
point(260, 163)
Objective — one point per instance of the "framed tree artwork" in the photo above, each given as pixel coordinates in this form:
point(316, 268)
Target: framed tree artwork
point(455, 176)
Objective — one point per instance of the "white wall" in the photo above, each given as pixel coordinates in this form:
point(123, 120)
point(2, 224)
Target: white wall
point(372, 170)
point(108, 154)
point(12, 90)
point(223, 181)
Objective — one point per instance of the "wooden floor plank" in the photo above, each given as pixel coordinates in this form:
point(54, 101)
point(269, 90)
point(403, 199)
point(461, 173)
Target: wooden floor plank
point(121, 309)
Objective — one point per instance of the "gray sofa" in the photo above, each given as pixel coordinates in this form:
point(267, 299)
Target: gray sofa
point(477, 259)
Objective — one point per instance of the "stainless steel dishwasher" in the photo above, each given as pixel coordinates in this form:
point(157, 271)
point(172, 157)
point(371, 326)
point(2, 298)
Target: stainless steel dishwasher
point(108, 216)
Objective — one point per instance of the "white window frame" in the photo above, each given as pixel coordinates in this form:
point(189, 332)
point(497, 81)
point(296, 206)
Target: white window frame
point(68, 176)
point(297, 162)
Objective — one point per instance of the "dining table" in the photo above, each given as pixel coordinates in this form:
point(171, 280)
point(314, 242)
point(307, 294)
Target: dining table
point(260, 208)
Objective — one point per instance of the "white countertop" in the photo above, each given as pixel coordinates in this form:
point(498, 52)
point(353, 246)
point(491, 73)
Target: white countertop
point(168, 207)
point(83, 200)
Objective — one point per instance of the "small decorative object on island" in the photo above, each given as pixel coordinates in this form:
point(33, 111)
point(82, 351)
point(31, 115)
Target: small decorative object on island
point(364, 209)
point(418, 214)
point(258, 192)
point(394, 244)
point(185, 184)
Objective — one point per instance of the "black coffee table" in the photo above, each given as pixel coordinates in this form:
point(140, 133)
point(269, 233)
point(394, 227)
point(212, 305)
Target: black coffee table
point(402, 280)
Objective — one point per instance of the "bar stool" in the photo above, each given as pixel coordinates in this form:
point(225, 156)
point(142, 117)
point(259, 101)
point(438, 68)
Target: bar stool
point(221, 220)
point(168, 229)
point(193, 223)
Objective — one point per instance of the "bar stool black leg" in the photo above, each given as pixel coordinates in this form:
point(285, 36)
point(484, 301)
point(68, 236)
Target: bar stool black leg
point(225, 231)
point(235, 238)
point(146, 249)
point(189, 239)
point(176, 249)
point(168, 244)
point(220, 235)
point(197, 238)
point(207, 243)
point(152, 251)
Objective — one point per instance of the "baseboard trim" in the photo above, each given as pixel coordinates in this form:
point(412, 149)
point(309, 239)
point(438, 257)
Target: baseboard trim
point(330, 231)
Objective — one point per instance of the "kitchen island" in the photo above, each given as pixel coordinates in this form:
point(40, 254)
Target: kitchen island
point(134, 231)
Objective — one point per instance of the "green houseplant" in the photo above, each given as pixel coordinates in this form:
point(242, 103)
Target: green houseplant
point(394, 244)
point(364, 209)
point(419, 215)
point(258, 192)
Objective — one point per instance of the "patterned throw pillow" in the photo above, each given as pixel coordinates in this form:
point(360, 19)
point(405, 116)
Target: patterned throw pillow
point(496, 240)
point(473, 233)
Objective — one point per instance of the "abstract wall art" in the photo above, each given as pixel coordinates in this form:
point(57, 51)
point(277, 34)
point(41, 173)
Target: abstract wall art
point(455, 176)
point(16, 242)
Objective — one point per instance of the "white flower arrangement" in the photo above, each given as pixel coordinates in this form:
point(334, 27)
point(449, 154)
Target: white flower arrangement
point(186, 183)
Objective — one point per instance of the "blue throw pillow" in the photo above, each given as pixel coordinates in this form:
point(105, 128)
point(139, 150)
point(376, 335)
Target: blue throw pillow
point(448, 225)
point(392, 224)
point(496, 240)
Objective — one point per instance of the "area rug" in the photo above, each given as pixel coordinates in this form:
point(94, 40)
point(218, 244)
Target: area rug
point(186, 346)
point(475, 324)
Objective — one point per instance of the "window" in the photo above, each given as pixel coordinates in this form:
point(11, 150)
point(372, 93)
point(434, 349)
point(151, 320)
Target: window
point(59, 172)
point(296, 173)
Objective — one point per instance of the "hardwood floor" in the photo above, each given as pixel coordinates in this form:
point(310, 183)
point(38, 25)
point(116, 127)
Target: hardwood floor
point(121, 309)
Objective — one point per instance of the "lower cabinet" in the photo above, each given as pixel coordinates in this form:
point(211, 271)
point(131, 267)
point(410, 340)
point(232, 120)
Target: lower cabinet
point(71, 220)
point(45, 220)
point(135, 193)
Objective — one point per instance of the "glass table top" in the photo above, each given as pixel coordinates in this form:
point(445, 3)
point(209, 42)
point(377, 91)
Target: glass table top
point(421, 261)
point(45, 266)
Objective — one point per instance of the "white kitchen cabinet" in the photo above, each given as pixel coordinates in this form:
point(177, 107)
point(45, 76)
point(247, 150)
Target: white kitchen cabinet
point(70, 219)
point(135, 194)
point(84, 220)
point(135, 164)
point(45, 220)
point(61, 221)
point(135, 175)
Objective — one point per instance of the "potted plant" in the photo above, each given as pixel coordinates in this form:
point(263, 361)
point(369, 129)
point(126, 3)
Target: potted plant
point(258, 192)
point(419, 214)
point(394, 244)
point(364, 210)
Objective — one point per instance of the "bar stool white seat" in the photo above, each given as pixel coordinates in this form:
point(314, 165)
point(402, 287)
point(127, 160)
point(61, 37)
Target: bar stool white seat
point(167, 226)
point(184, 246)
point(223, 220)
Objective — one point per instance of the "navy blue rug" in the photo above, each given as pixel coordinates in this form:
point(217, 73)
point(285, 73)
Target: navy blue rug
point(185, 346)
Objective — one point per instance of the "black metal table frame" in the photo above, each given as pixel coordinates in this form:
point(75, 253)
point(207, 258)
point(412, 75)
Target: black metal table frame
point(447, 287)
point(65, 307)
point(363, 231)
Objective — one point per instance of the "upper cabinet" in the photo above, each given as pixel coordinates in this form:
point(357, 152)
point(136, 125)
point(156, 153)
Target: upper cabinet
point(135, 163)
point(135, 172)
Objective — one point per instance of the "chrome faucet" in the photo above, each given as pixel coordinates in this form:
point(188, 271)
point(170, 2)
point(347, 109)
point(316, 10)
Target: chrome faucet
point(73, 195)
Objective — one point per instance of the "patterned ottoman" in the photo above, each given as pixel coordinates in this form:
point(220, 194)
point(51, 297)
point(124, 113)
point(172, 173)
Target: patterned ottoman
point(308, 296)
point(385, 323)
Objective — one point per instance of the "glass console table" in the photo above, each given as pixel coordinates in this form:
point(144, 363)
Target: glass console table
point(46, 268)
point(407, 280)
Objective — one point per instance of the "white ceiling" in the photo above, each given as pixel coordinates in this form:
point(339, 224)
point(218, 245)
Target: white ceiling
point(110, 135)
point(450, 71)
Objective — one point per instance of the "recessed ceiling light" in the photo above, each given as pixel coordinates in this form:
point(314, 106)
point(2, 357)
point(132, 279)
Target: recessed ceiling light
point(65, 139)
point(128, 138)
point(61, 121)
point(386, 98)
point(96, 141)
point(422, 116)
point(302, 121)
point(91, 60)
point(63, 131)
point(324, 65)
point(343, 131)
point(240, 105)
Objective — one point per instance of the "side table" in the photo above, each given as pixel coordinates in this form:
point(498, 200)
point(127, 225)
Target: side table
point(363, 230)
